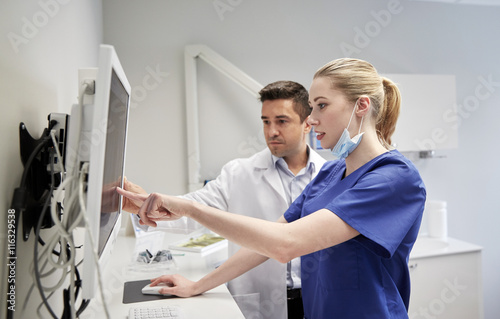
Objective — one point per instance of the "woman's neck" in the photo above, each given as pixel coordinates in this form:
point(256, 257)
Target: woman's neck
point(368, 149)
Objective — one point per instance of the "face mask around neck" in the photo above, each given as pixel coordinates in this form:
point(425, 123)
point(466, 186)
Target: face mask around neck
point(346, 144)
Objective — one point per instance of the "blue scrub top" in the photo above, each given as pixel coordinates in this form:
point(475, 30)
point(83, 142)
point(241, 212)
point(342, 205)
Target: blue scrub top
point(367, 276)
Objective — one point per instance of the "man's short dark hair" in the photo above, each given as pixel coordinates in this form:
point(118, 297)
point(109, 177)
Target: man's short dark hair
point(288, 90)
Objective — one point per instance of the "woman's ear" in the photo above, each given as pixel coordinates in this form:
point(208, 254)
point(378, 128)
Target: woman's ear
point(364, 105)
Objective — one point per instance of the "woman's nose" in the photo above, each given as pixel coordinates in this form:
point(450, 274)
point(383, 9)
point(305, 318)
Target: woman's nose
point(311, 121)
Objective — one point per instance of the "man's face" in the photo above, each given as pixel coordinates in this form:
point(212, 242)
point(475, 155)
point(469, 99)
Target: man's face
point(285, 134)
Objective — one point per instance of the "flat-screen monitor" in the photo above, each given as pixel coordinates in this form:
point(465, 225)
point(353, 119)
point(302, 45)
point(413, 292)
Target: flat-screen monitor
point(100, 121)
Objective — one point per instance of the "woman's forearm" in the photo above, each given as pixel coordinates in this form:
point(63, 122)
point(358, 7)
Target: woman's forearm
point(281, 241)
point(241, 262)
point(264, 237)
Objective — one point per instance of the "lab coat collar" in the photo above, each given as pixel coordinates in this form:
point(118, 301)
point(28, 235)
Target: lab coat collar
point(263, 165)
point(264, 161)
point(310, 165)
point(316, 160)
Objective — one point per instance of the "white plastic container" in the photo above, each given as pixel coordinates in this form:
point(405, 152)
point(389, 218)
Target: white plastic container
point(437, 219)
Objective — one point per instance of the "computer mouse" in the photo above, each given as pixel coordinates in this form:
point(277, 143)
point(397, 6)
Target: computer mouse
point(148, 290)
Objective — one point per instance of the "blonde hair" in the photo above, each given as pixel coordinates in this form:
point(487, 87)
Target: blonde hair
point(356, 78)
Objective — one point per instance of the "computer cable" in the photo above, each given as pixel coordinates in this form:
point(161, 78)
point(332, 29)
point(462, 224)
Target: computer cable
point(87, 88)
point(83, 209)
point(37, 233)
point(19, 199)
point(19, 204)
point(63, 238)
point(34, 266)
point(36, 259)
point(58, 157)
point(64, 225)
point(76, 200)
point(67, 224)
point(37, 236)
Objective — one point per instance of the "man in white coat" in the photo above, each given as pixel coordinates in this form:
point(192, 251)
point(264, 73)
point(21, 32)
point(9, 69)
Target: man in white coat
point(263, 186)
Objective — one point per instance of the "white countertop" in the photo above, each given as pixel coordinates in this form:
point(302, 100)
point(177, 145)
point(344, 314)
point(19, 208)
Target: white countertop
point(430, 247)
point(216, 303)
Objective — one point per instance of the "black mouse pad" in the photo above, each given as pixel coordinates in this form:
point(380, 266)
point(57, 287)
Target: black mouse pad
point(132, 292)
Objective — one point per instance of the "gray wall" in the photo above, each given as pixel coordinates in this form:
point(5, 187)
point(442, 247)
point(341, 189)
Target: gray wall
point(42, 45)
point(274, 40)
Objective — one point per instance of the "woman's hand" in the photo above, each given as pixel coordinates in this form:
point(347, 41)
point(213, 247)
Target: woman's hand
point(130, 205)
point(176, 285)
point(156, 207)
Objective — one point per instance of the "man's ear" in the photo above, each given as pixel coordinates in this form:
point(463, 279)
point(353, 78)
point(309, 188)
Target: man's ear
point(307, 126)
point(364, 105)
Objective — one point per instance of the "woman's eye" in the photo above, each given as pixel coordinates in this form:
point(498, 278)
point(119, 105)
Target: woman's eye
point(321, 106)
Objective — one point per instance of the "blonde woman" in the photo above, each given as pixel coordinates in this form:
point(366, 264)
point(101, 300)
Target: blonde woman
point(354, 225)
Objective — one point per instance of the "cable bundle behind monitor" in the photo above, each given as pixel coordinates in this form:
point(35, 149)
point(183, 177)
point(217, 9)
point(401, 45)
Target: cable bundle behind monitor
point(55, 256)
point(93, 160)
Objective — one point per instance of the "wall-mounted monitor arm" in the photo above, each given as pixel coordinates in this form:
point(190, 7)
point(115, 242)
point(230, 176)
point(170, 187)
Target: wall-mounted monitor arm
point(191, 53)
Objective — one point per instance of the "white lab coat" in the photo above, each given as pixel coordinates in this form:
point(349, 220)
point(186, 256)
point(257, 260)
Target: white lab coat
point(252, 187)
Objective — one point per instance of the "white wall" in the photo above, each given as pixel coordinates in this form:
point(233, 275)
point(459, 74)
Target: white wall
point(42, 45)
point(274, 40)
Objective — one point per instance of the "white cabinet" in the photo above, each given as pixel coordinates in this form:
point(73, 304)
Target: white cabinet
point(446, 280)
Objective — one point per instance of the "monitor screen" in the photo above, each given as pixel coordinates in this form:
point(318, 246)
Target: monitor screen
point(97, 140)
point(114, 159)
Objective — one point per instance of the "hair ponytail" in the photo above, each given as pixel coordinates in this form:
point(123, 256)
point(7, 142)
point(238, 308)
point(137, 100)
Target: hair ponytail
point(388, 113)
